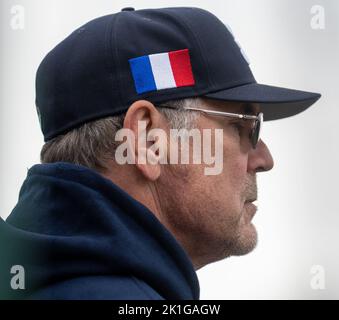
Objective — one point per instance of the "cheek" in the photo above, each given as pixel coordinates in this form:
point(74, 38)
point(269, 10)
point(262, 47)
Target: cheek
point(235, 169)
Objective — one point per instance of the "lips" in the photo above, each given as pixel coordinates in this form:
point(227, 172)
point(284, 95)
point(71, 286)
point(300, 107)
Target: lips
point(251, 204)
point(251, 209)
point(251, 200)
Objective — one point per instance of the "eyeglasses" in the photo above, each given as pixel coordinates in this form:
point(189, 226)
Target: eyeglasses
point(257, 123)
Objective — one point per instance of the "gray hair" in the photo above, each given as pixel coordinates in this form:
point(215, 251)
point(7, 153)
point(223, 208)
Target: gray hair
point(93, 143)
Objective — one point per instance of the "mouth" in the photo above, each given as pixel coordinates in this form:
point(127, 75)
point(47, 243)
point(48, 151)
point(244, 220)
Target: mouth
point(251, 207)
point(251, 203)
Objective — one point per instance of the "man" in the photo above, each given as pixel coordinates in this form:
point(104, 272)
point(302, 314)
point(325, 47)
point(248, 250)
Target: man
point(87, 225)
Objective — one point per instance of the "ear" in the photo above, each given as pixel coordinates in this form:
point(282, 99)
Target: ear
point(142, 118)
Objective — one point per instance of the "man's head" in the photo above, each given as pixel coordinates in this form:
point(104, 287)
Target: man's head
point(210, 215)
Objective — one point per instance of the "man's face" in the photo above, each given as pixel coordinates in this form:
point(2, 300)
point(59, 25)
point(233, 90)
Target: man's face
point(211, 214)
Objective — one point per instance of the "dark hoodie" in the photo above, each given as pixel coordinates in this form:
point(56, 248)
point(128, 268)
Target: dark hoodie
point(79, 236)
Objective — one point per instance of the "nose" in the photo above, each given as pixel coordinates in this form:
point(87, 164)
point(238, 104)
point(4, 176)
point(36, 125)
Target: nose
point(260, 158)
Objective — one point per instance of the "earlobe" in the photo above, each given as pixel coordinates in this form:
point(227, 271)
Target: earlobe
point(149, 171)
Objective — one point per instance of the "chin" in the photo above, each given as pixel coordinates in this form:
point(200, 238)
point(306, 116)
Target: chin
point(246, 242)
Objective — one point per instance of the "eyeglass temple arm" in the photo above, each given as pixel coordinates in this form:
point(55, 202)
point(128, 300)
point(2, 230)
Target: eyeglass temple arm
point(228, 114)
point(220, 113)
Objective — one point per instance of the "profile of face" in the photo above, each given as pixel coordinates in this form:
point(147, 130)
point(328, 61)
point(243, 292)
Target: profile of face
point(211, 215)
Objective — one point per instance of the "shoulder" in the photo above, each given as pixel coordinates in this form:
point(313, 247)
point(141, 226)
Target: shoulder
point(98, 288)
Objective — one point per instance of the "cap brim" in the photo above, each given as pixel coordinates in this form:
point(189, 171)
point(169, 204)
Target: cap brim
point(275, 102)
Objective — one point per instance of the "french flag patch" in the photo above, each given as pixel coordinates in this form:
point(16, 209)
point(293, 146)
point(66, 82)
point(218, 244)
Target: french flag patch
point(162, 71)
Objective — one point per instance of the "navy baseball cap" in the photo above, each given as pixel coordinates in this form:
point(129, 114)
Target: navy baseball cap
point(101, 68)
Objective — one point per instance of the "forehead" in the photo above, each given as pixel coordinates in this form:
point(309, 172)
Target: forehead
point(231, 106)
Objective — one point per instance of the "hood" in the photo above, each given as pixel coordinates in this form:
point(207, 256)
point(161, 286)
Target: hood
point(70, 222)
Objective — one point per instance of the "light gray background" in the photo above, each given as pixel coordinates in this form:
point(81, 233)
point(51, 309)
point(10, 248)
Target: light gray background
point(298, 214)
